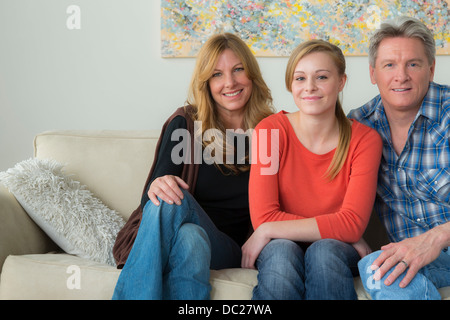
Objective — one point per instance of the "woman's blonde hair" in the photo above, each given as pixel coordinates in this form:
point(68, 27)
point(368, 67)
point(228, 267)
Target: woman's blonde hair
point(345, 129)
point(258, 106)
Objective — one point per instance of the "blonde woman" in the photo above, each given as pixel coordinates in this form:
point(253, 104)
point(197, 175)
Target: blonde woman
point(194, 212)
point(307, 214)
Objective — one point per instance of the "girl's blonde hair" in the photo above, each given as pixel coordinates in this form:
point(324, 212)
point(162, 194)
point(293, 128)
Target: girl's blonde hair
point(345, 129)
point(258, 106)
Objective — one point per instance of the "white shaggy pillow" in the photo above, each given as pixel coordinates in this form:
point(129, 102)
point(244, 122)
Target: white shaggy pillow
point(66, 210)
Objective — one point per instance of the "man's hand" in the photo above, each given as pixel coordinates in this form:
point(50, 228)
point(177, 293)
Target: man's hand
point(412, 254)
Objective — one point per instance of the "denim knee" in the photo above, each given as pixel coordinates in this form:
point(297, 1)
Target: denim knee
point(193, 241)
point(191, 253)
point(281, 250)
point(187, 272)
point(330, 266)
point(419, 288)
point(329, 252)
point(281, 271)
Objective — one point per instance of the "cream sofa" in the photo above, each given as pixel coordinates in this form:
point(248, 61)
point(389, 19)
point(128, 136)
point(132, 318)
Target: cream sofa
point(114, 166)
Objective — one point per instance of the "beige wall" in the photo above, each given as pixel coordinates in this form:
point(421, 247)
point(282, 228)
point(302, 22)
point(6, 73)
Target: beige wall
point(109, 74)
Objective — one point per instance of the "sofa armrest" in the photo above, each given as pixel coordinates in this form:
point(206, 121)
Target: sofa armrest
point(18, 233)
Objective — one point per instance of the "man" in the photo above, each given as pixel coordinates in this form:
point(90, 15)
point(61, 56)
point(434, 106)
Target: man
point(412, 115)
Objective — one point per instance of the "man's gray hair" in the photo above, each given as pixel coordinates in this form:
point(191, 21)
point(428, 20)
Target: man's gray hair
point(406, 27)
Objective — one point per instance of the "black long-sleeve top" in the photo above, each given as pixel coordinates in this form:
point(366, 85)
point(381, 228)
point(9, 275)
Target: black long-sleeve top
point(224, 197)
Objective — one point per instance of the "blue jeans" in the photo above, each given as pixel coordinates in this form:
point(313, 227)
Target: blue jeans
point(423, 287)
point(324, 271)
point(173, 252)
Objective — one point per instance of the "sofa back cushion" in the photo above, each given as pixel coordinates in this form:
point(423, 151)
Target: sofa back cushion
point(113, 164)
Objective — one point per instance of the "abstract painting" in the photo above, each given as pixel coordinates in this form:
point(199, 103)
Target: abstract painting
point(274, 28)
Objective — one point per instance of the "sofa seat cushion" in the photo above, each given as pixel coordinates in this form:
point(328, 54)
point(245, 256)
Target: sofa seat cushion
point(56, 277)
point(233, 284)
point(63, 276)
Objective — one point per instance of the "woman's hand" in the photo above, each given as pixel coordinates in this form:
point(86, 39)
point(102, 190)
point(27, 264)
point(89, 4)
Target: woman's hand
point(168, 189)
point(253, 247)
point(362, 248)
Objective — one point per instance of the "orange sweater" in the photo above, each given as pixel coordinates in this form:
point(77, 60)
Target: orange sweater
point(298, 189)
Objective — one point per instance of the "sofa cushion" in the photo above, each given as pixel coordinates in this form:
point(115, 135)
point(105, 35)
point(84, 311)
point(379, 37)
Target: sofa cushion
point(56, 276)
point(233, 284)
point(63, 276)
point(113, 164)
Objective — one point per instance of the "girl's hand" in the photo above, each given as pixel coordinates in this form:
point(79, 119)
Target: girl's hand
point(362, 248)
point(253, 247)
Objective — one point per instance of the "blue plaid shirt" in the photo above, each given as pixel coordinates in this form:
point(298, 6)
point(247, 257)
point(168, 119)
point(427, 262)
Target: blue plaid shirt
point(413, 193)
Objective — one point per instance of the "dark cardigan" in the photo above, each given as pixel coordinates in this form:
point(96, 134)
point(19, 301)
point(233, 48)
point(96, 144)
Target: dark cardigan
point(126, 236)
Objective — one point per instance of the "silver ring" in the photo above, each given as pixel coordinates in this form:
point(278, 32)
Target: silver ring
point(405, 263)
